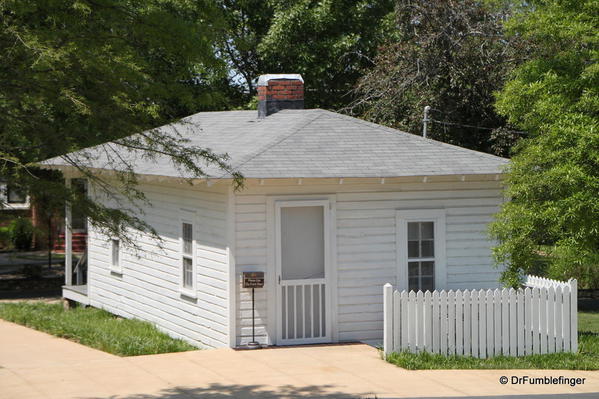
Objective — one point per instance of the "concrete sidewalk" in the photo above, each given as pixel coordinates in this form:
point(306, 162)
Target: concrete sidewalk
point(37, 365)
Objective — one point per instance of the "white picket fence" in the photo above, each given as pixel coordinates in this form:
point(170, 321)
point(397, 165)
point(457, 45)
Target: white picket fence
point(540, 318)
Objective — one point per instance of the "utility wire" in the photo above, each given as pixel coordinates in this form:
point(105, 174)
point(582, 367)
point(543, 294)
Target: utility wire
point(475, 127)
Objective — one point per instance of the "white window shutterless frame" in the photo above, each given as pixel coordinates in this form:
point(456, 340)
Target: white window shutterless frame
point(420, 238)
point(187, 261)
point(116, 256)
point(303, 275)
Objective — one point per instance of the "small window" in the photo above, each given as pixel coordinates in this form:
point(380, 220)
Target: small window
point(15, 196)
point(421, 249)
point(116, 252)
point(421, 256)
point(187, 270)
point(187, 273)
point(187, 238)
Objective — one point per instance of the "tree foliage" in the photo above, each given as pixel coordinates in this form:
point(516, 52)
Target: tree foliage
point(329, 42)
point(452, 56)
point(551, 222)
point(246, 23)
point(79, 73)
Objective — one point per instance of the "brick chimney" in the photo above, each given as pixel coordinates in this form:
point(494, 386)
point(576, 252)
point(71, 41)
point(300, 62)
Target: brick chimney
point(279, 91)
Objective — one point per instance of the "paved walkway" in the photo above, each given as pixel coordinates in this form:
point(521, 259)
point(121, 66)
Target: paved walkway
point(37, 365)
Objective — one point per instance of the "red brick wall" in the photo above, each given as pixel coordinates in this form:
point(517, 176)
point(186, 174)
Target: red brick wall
point(281, 89)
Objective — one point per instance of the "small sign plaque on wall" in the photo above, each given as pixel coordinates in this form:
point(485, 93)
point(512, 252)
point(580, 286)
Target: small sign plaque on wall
point(253, 279)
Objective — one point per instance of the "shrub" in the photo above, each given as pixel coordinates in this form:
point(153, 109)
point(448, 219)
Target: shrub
point(4, 237)
point(21, 233)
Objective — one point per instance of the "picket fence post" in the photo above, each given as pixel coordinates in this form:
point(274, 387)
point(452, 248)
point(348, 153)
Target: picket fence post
point(566, 320)
point(505, 323)
point(459, 324)
point(388, 319)
point(557, 316)
point(550, 320)
point(574, 315)
point(520, 322)
point(443, 332)
point(490, 327)
point(543, 319)
point(527, 321)
point(497, 321)
point(404, 320)
point(474, 324)
point(512, 329)
point(451, 323)
point(436, 322)
point(467, 323)
point(428, 319)
point(419, 321)
point(482, 324)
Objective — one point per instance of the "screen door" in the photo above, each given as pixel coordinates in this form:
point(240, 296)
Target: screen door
point(302, 263)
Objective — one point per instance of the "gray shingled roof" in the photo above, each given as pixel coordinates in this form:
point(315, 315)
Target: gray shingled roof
point(310, 143)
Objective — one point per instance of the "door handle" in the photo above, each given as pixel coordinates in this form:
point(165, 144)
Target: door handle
point(279, 279)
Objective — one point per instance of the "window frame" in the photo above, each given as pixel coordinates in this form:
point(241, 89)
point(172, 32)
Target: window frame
point(437, 216)
point(5, 189)
point(9, 188)
point(419, 260)
point(191, 292)
point(118, 267)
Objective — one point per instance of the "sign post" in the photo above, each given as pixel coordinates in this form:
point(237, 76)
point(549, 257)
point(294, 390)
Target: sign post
point(253, 280)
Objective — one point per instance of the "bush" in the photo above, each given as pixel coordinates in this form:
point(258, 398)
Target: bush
point(568, 263)
point(4, 237)
point(21, 233)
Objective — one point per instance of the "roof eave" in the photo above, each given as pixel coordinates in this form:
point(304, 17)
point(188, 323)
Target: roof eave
point(72, 172)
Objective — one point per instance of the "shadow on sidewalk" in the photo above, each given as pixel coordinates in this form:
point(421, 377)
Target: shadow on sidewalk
point(220, 391)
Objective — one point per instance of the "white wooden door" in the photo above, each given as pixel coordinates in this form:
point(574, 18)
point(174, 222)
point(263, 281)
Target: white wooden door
point(302, 265)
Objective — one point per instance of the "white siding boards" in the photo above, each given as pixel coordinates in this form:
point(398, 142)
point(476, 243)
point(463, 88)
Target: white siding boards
point(148, 284)
point(365, 246)
point(235, 231)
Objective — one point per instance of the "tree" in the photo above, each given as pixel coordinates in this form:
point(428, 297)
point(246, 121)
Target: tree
point(551, 223)
point(246, 23)
point(79, 73)
point(452, 56)
point(329, 42)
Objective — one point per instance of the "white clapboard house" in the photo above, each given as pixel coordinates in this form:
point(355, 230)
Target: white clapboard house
point(332, 209)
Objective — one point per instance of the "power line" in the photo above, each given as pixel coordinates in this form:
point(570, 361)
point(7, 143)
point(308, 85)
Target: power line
point(475, 127)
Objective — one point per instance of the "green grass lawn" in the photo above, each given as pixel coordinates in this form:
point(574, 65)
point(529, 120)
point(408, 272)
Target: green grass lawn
point(587, 357)
point(93, 327)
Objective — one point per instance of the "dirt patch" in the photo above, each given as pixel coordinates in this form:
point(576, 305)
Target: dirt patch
point(46, 299)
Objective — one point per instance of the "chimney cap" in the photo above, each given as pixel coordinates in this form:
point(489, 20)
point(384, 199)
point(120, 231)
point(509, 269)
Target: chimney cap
point(263, 79)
